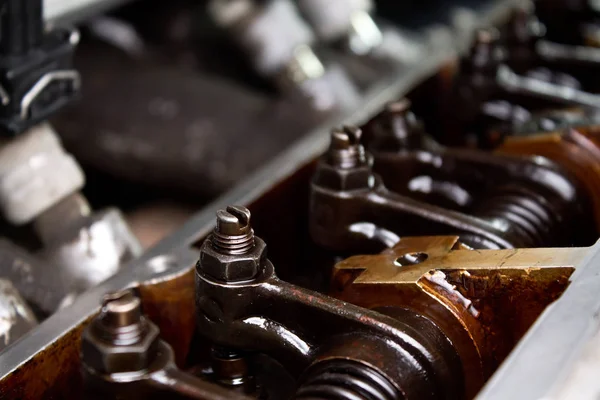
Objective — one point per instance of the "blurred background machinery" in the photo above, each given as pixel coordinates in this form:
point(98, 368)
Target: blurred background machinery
point(425, 175)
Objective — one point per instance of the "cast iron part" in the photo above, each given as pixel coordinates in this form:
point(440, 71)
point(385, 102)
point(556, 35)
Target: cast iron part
point(334, 348)
point(123, 356)
point(36, 74)
point(417, 187)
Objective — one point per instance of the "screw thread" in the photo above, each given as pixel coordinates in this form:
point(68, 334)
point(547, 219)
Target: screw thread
point(233, 234)
point(233, 244)
point(346, 151)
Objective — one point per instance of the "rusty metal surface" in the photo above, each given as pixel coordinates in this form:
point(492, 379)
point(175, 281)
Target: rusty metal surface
point(568, 327)
point(123, 356)
point(36, 354)
point(54, 372)
point(23, 362)
point(484, 300)
point(301, 328)
point(577, 150)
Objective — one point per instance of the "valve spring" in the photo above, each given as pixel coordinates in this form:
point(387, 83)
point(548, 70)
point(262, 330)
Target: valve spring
point(345, 380)
point(233, 244)
point(535, 221)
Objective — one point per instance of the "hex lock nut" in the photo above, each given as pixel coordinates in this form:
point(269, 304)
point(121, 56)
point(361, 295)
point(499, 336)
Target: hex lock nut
point(232, 268)
point(109, 358)
point(344, 179)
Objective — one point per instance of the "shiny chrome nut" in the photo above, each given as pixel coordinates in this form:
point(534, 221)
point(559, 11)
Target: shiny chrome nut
point(231, 268)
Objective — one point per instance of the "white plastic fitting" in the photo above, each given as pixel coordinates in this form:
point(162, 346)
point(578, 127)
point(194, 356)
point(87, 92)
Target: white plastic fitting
point(271, 32)
point(35, 174)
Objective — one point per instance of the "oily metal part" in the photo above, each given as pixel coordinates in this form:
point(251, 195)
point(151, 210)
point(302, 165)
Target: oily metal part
point(122, 355)
point(244, 305)
point(556, 346)
point(464, 291)
point(511, 202)
point(165, 286)
point(577, 150)
point(66, 324)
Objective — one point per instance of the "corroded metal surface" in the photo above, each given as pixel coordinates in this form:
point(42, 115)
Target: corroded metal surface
point(301, 328)
point(484, 300)
point(54, 372)
point(577, 149)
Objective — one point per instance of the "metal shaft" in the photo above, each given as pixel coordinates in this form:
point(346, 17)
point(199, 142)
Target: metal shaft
point(233, 234)
point(346, 151)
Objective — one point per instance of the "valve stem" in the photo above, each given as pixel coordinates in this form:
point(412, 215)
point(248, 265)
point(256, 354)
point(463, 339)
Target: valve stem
point(345, 150)
point(233, 233)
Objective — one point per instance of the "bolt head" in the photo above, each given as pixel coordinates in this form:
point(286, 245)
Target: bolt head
point(108, 358)
point(232, 268)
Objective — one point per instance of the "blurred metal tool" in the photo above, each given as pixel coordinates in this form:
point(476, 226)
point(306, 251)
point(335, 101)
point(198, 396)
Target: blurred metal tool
point(347, 21)
point(278, 44)
point(513, 83)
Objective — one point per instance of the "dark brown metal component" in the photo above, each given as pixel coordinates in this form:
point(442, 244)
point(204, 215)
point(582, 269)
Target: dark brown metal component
point(120, 339)
point(475, 82)
point(342, 379)
point(233, 235)
point(347, 166)
point(507, 300)
point(492, 201)
point(56, 370)
point(299, 328)
point(576, 150)
point(123, 356)
point(515, 71)
point(483, 301)
point(231, 368)
point(232, 253)
point(398, 129)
